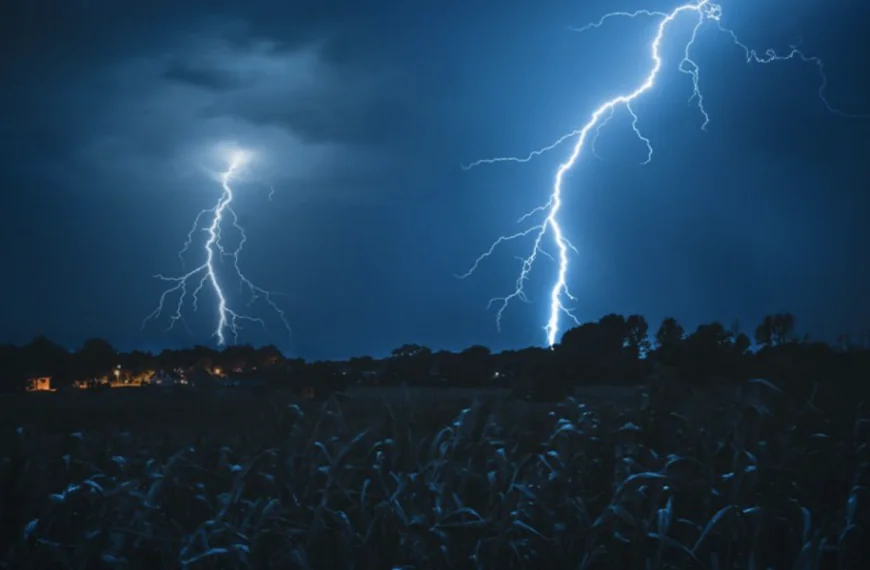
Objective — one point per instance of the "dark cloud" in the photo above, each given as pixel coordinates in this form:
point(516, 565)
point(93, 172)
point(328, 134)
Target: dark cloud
point(112, 117)
point(202, 77)
point(342, 114)
point(153, 81)
point(87, 32)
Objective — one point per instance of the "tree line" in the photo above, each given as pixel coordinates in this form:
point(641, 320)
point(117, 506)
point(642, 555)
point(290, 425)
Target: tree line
point(614, 350)
point(619, 350)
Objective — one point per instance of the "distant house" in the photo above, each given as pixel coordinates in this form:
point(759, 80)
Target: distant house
point(230, 379)
point(91, 382)
point(199, 379)
point(141, 378)
point(121, 378)
point(116, 378)
point(161, 378)
point(39, 384)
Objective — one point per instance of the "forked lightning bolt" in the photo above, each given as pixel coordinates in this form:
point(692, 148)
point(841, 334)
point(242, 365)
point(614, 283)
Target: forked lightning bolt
point(706, 12)
point(228, 319)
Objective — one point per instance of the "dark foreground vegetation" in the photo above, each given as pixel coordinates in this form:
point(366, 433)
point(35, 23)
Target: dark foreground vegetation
point(763, 480)
point(718, 458)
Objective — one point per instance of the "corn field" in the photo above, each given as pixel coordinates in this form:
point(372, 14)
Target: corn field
point(767, 483)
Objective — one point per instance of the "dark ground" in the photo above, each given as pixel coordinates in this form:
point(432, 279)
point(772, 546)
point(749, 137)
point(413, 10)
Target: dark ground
point(429, 479)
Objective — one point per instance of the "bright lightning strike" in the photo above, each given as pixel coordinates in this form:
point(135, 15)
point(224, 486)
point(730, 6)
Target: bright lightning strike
point(705, 11)
point(228, 319)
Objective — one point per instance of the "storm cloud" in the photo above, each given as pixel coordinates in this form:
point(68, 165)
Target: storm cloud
point(361, 114)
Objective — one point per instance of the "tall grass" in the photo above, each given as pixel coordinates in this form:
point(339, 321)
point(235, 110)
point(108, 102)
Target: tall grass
point(762, 484)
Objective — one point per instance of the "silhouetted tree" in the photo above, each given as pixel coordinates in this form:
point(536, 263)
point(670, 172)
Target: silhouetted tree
point(409, 351)
point(637, 336)
point(613, 333)
point(612, 350)
point(12, 374)
point(707, 355)
point(546, 375)
point(169, 359)
point(475, 367)
point(669, 339)
point(447, 367)
point(357, 367)
point(362, 363)
point(775, 330)
point(324, 378)
point(96, 358)
point(741, 344)
point(138, 361)
point(238, 357)
point(410, 364)
point(604, 352)
point(42, 357)
point(581, 351)
point(268, 355)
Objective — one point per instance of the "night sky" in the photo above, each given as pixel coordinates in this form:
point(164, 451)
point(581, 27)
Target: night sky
point(364, 112)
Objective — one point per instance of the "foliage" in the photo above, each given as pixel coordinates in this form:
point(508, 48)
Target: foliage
point(615, 350)
point(765, 481)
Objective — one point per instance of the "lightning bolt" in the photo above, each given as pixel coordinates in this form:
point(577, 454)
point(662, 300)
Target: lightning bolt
point(705, 11)
point(228, 319)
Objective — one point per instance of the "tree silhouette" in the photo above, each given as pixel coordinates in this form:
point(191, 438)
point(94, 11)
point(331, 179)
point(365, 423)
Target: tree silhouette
point(708, 352)
point(267, 356)
point(613, 350)
point(669, 342)
point(409, 364)
point(475, 366)
point(604, 352)
point(96, 358)
point(670, 334)
point(323, 377)
point(582, 350)
point(637, 335)
point(741, 344)
point(613, 332)
point(409, 351)
point(138, 361)
point(775, 330)
point(361, 366)
point(238, 357)
point(42, 357)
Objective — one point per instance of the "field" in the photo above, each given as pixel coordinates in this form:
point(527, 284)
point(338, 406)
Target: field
point(432, 479)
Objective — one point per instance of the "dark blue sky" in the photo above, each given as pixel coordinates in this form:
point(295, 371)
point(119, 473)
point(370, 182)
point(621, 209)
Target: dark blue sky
point(364, 112)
